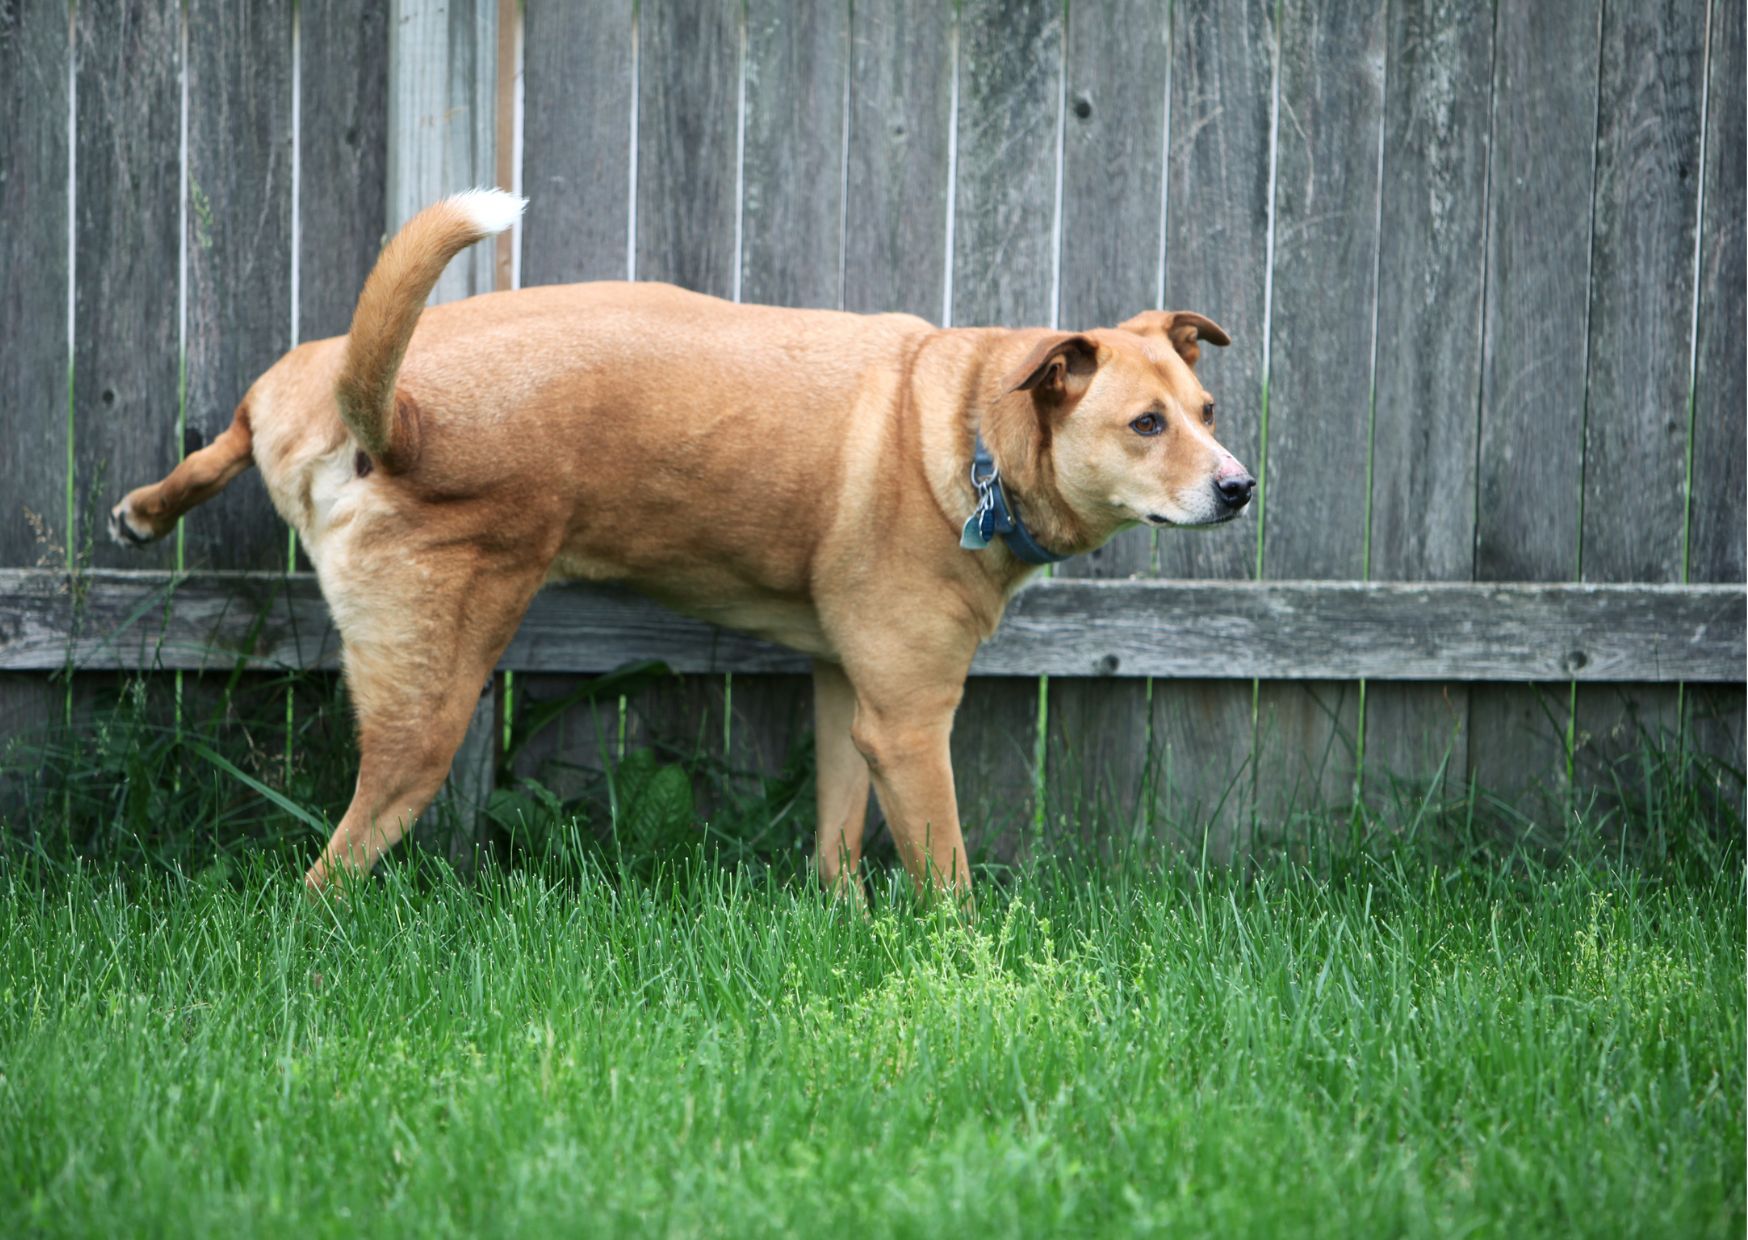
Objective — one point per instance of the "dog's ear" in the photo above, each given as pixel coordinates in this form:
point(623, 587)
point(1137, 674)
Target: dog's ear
point(1182, 329)
point(1058, 368)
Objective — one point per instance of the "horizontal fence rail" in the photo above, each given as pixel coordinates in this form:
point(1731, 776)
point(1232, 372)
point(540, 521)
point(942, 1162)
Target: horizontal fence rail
point(1062, 627)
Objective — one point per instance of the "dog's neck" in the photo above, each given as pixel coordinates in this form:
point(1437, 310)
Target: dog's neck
point(1020, 442)
point(959, 367)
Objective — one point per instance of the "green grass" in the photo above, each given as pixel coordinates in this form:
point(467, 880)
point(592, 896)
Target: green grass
point(1414, 1019)
point(1391, 1049)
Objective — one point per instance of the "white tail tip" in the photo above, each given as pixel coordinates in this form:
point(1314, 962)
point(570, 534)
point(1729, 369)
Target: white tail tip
point(491, 210)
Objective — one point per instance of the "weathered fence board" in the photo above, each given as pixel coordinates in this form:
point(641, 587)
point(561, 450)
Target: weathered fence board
point(1219, 202)
point(1112, 203)
point(34, 57)
point(1426, 393)
point(1645, 212)
point(1717, 533)
point(343, 158)
point(1304, 630)
point(128, 215)
point(1003, 264)
point(33, 283)
point(1714, 719)
point(1529, 471)
point(792, 254)
point(579, 109)
point(576, 141)
point(239, 252)
point(688, 207)
point(900, 124)
point(897, 189)
point(1313, 504)
point(442, 117)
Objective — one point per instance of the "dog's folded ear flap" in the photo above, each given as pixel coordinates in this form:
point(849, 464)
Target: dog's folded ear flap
point(1181, 328)
point(1058, 367)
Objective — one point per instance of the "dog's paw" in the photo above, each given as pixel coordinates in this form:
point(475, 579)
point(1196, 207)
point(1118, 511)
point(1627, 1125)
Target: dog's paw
point(122, 531)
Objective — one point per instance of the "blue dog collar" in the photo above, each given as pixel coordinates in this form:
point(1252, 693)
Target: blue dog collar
point(994, 516)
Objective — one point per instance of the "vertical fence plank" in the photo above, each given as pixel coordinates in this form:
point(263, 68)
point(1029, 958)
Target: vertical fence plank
point(897, 189)
point(1719, 513)
point(687, 206)
point(791, 255)
point(1216, 261)
point(343, 156)
point(1645, 215)
point(576, 172)
point(576, 141)
point(1720, 445)
point(127, 167)
point(1432, 230)
point(239, 253)
point(1113, 149)
point(442, 118)
point(1326, 250)
point(442, 133)
point(1532, 381)
point(33, 320)
point(1010, 67)
point(896, 192)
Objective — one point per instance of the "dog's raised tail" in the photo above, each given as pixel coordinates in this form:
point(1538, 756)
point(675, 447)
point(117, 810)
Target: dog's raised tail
point(389, 308)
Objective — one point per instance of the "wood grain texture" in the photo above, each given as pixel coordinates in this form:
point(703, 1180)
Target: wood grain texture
point(1010, 72)
point(792, 205)
point(343, 157)
point(1530, 462)
point(1715, 720)
point(689, 101)
point(687, 211)
point(576, 171)
point(1431, 268)
point(239, 253)
point(1313, 498)
point(442, 118)
point(1004, 215)
point(33, 283)
point(896, 193)
point(127, 214)
point(1641, 290)
point(1646, 212)
point(1720, 446)
point(576, 141)
point(1112, 204)
point(1309, 630)
point(792, 221)
point(1218, 206)
point(34, 56)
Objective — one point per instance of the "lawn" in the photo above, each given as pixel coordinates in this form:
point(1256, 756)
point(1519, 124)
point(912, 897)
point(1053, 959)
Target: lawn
point(1396, 1043)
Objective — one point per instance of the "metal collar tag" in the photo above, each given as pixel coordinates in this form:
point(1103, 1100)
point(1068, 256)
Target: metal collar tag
point(994, 516)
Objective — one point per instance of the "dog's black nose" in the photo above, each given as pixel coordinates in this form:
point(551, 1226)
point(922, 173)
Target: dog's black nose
point(1235, 492)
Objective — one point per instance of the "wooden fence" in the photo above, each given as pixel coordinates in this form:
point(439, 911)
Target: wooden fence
point(1483, 266)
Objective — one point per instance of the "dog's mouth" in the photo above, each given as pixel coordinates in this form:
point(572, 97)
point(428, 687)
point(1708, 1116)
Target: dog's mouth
point(1154, 518)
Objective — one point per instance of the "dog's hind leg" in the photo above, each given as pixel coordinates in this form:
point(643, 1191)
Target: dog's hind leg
point(414, 667)
point(150, 512)
point(843, 781)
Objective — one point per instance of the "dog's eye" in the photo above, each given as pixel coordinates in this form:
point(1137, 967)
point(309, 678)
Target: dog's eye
point(1208, 414)
point(1148, 424)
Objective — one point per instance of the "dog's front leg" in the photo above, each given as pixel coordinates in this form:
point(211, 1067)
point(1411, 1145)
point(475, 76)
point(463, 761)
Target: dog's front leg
point(903, 729)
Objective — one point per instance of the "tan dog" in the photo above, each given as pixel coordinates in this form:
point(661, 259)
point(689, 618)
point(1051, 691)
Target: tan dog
point(804, 475)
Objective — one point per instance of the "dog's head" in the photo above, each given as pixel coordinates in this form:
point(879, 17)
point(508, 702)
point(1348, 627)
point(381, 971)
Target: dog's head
point(1126, 427)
